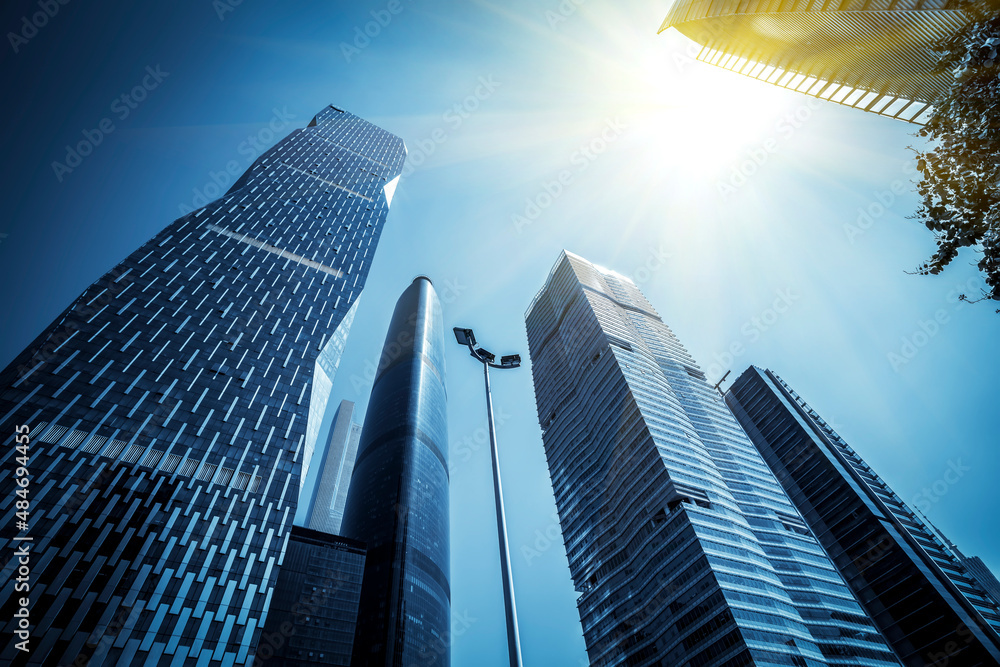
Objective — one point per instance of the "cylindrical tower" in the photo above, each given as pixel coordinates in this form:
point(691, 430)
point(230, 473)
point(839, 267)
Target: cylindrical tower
point(398, 499)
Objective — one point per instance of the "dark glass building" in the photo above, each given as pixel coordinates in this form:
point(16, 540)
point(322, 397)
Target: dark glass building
point(681, 543)
point(168, 410)
point(397, 504)
point(925, 602)
point(311, 620)
point(314, 608)
point(987, 580)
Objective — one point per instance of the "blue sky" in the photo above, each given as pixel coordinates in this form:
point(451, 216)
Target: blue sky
point(532, 127)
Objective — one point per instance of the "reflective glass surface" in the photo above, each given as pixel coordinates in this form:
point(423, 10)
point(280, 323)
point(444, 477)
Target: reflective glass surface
point(925, 602)
point(682, 544)
point(168, 410)
point(397, 503)
point(313, 611)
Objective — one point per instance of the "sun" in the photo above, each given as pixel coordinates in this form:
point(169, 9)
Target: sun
point(703, 116)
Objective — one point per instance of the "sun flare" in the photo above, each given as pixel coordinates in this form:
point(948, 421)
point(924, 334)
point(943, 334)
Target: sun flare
point(701, 116)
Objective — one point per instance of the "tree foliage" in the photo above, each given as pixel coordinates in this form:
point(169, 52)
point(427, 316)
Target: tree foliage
point(960, 171)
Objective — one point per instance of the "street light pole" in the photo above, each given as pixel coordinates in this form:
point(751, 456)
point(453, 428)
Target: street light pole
point(513, 637)
point(466, 337)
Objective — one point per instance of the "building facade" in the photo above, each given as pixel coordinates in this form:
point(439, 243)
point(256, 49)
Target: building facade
point(313, 613)
point(314, 609)
point(168, 410)
point(397, 504)
point(326, 508)
point(983, 574)
point(683, 546)
point(925, 602)
point(875, 56)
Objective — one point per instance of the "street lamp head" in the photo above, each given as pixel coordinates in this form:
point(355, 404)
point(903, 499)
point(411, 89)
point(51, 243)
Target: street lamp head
point(510, 361)
point(465, 336)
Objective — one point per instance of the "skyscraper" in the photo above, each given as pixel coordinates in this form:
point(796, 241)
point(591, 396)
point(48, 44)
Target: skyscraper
point(683, 546)
point(168, 410)
point(313, 613)
point(314, 609)
point(326, 509)
point(987, 580)
point(877, 56)
point(924, 601)
point(397, 504)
